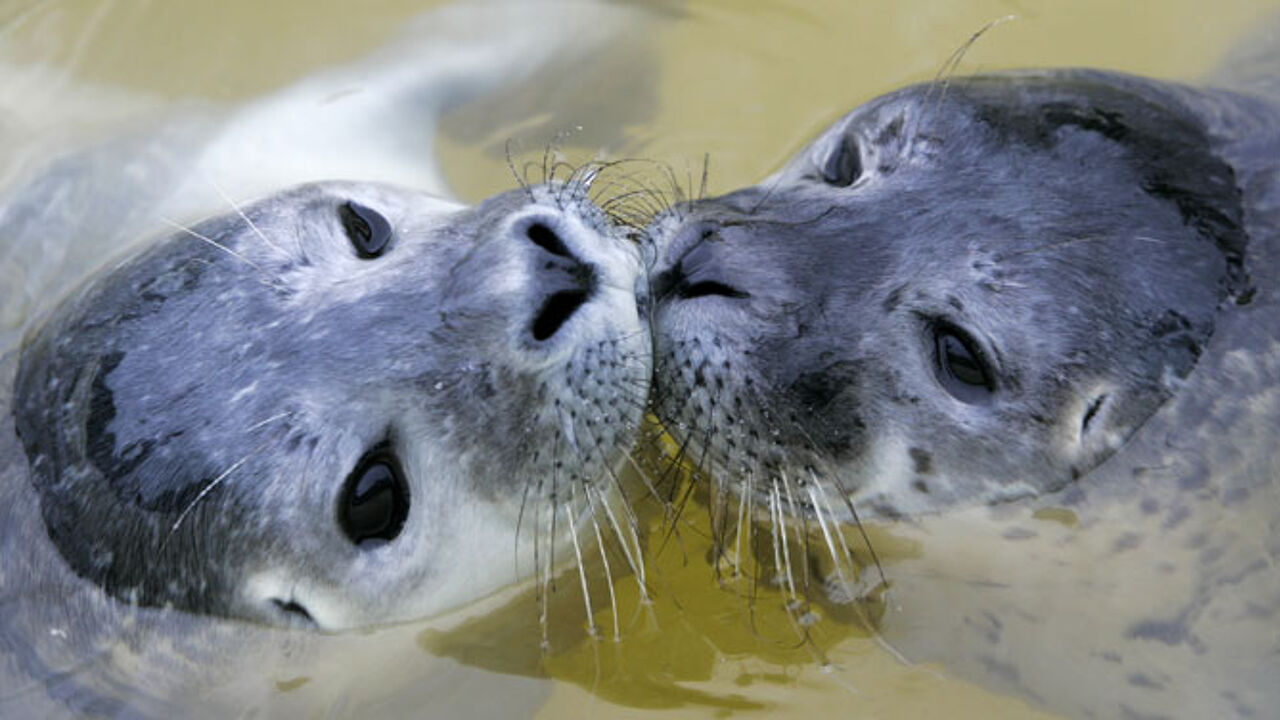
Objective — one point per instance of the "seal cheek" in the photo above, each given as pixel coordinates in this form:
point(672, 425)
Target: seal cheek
point(828, 411)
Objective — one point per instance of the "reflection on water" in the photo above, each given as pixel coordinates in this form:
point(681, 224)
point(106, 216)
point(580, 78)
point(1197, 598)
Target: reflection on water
point(741, 83)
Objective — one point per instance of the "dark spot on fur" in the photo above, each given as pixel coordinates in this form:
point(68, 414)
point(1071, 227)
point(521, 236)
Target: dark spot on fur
point(1171, 148)
point(987, 625)
point(1142, 680)
point(1193, 480)
point(1007, 672)
point(893, 299)
point(1169, 632)
point(921, 460)
point(1128, 713)
point(1126, 541)
point(1235, 495)
point(1176, 517)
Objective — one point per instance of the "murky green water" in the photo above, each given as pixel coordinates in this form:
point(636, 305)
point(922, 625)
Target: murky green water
point(737, 84)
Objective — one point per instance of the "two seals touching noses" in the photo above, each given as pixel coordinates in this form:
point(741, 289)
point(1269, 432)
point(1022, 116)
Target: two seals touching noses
point(989, 301)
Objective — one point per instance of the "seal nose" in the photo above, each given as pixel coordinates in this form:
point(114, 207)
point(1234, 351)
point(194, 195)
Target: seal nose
point(699, 271)
point(564, 282)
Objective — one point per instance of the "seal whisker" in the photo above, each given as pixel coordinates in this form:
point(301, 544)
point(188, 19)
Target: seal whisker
point(268, 421)
point(782, 573)
point(768, 193)
point(802, 534)
point(636, 561)
point(841, 558)
point(853, 513)
point(1046, 247)
point(639, 205)
point(604, 560)
point(515, 175)
point(719, 513)
point(631, 547)
point(524, 503)
point(204, 492)
point(745, 526)
point(942, 80)
point(192, 233)
point(571, 529)
point(706, 173)
point(632, 191)
point(252, 226)
point(625, 194)
point(661, 202)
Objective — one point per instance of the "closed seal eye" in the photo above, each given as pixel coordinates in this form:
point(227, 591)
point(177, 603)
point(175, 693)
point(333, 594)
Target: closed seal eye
point(374, 501)
point(368, 231)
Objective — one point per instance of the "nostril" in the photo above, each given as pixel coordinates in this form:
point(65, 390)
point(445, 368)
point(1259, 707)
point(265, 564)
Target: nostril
point(556, 311)
point(547, 239)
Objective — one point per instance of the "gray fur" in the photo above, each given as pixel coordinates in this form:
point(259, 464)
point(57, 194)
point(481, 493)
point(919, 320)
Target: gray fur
point(190, 415)
point(1111, 244)
point(970, 204)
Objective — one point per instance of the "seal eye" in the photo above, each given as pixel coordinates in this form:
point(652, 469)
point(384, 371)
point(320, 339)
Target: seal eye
point(962, 368)
point(368, 231)
point(375, 500)
point(843, 163)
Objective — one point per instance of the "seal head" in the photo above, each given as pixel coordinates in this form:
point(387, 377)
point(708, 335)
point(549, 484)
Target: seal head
point(328, 408)
point(956, 295)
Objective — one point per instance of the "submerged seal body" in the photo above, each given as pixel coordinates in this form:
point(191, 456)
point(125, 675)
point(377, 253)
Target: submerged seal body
point(329, 407)
point(978, 304)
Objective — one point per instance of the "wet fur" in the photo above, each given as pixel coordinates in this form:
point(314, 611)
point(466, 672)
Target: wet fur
point(1110, 242)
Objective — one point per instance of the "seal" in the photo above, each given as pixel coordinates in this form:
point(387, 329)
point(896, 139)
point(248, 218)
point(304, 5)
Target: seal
point(982, 303)
point(329, 407)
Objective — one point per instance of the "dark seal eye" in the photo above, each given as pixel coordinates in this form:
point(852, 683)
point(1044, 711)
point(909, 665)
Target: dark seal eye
point(843, 163)
point(375, 500)
point(961, 366)
point(368, 231)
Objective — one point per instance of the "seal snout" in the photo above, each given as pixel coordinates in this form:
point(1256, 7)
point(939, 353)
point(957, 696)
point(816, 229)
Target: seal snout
point(699, 271)
point(564, 281)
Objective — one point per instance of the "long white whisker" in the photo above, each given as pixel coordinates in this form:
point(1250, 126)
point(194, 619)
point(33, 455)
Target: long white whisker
point(205, 491)
point(844, 544)
point(741, 529)
point(572, 530)
point(211, 241)
point(604, 559)
point(269, 420)
point(244, 217)
point(544, 617)
point(826, 535)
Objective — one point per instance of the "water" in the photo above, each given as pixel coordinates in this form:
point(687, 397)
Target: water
point(739, 84)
